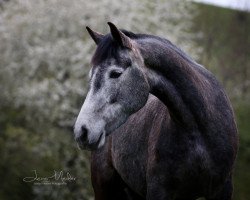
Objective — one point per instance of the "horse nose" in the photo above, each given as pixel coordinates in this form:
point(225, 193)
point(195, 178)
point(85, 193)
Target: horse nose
point(81, 135)
point(84, 134)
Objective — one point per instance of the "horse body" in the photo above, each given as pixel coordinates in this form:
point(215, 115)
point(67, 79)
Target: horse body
point(148, 146)
point(181, 144)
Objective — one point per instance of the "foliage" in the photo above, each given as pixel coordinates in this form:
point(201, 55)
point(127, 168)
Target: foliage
point(242, 173)
point(44, 148)
point(46, 50)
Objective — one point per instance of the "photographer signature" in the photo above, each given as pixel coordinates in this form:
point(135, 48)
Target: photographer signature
point(57, 176)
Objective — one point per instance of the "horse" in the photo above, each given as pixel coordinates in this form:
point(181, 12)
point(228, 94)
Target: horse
point(159, 125)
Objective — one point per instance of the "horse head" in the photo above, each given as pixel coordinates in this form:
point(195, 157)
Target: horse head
point(118, 88)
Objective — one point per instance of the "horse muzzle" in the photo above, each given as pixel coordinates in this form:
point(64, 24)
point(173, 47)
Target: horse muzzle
point(87, 140)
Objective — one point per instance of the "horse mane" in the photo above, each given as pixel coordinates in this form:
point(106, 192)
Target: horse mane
point(108, 48)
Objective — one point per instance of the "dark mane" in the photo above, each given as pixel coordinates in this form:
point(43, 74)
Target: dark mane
point(108, 48)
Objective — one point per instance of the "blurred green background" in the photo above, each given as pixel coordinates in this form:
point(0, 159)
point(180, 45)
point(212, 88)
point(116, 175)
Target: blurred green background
point(44, 61)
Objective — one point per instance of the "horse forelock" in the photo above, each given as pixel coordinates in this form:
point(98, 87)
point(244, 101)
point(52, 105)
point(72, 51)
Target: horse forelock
point(109, 49)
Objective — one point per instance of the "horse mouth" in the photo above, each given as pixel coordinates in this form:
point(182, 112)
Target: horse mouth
point(91, 146)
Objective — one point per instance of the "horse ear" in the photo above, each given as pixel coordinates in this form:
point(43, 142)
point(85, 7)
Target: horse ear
point(97, 37)
point(119, 36)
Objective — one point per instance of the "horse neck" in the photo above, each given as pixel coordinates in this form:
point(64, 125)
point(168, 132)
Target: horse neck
point(181, 84)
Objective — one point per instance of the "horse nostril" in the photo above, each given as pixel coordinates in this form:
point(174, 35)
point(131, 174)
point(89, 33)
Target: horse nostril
point(84, 134)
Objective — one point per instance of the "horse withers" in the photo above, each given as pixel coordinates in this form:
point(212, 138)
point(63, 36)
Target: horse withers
point(159, 125)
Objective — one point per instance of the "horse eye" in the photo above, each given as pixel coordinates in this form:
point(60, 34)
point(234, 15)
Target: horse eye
point(115, 74)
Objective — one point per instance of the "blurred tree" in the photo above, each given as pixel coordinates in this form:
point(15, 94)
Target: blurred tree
point(45, 51)
point(44, 62)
